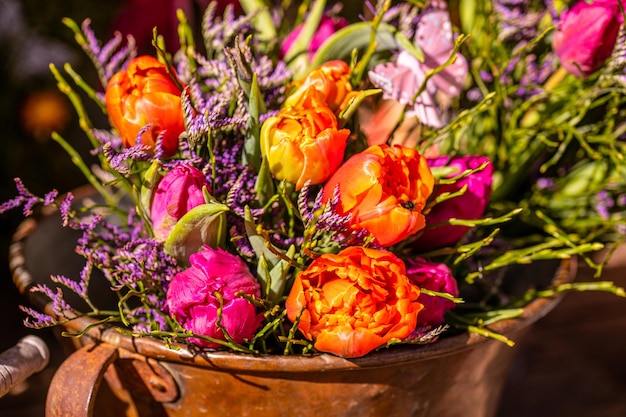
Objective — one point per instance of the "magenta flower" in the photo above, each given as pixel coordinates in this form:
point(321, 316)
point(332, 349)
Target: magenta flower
point(586, 35)
point(192, 297)
point(435, 277)
point(177, 192)
point(468, 206)
point(328, 26)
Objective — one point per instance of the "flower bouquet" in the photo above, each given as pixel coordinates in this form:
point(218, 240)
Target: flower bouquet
point(289, 182)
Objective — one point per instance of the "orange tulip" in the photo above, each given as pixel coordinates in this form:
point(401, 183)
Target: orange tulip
point(303, 143)
point(384, 188)
point(354, 302)
point(145, 94)
point(331, 80)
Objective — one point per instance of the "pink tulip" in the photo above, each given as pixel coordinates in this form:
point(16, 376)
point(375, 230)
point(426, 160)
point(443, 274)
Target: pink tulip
point(328, 26)
point(586, 35)
point(177, 192)
point(435, 277)
point(468, 206)
point(191, 297)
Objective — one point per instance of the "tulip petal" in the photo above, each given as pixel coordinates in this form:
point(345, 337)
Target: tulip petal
point(354, 302)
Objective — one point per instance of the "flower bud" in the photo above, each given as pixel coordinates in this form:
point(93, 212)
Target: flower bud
point(192, 300)
point(468, 206)
point(331, 80)
point(176, 193)
point(384, 189)
point(145, 94)
point(303, 143)
point(354, 302)
point(435, 277)
point(586, 35)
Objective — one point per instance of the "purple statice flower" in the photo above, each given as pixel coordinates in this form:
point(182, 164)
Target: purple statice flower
point(146, 320)
point(125, 255)
point(232, 180)
point(27, 200)
point(109, 58)
point(106, 137)
point(59, 307)
point(518, 25)
point(121, 161)
point(237, 233)
point(134, 264)
point(79, 287)
point(66, 208)
point(517, 22)
point(604, 204)
point(144, 261)
point(215, 102)
point(36, 319)
point(405, 17)
point(544, 183)
point(220, 31)
point(330, 229)
point(486, 76)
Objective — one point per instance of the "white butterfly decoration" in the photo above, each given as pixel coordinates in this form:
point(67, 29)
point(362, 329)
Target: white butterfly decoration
point(402, 79)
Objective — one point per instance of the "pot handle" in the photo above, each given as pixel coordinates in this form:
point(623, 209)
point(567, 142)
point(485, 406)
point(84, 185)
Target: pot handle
point(73, 389)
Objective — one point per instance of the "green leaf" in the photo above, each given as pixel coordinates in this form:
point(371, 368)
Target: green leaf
point(202, 225)
point(409, 46)
point(258, 242)
point(354, 36)
point(297, 56)
point(264, 185)
point(149, 182)
point(262, 20)
point(353, 105)
point(272, 270)
point(274, 278)
point(256, 107)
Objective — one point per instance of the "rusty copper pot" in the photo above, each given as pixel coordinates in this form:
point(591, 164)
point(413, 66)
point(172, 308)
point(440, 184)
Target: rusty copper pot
point(111, 374)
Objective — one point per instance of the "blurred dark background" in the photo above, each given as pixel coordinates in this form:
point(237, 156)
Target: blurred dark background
point(31, 37)
point(571, 365)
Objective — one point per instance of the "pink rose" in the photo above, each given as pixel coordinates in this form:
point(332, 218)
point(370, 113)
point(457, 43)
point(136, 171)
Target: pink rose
point(586, 35)
point(468, 206)
point(328, 26)
point(177, 192)
point(192, 301)
point(435, 277)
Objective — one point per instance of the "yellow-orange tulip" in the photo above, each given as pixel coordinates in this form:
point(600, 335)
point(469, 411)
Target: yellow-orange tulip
point(145, 94)
point(384, 188)
point(303, 143)
point(331, 80)
point(354, 302)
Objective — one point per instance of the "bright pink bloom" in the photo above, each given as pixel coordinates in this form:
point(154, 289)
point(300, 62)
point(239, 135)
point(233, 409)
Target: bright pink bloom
point(586, 35)
point(177, 192)
point(435, 277)
point(192, 301)
point(328, 26)
point(468, 206)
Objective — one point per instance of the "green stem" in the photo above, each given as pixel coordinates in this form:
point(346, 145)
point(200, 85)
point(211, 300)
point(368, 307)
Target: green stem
point(84, 169)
